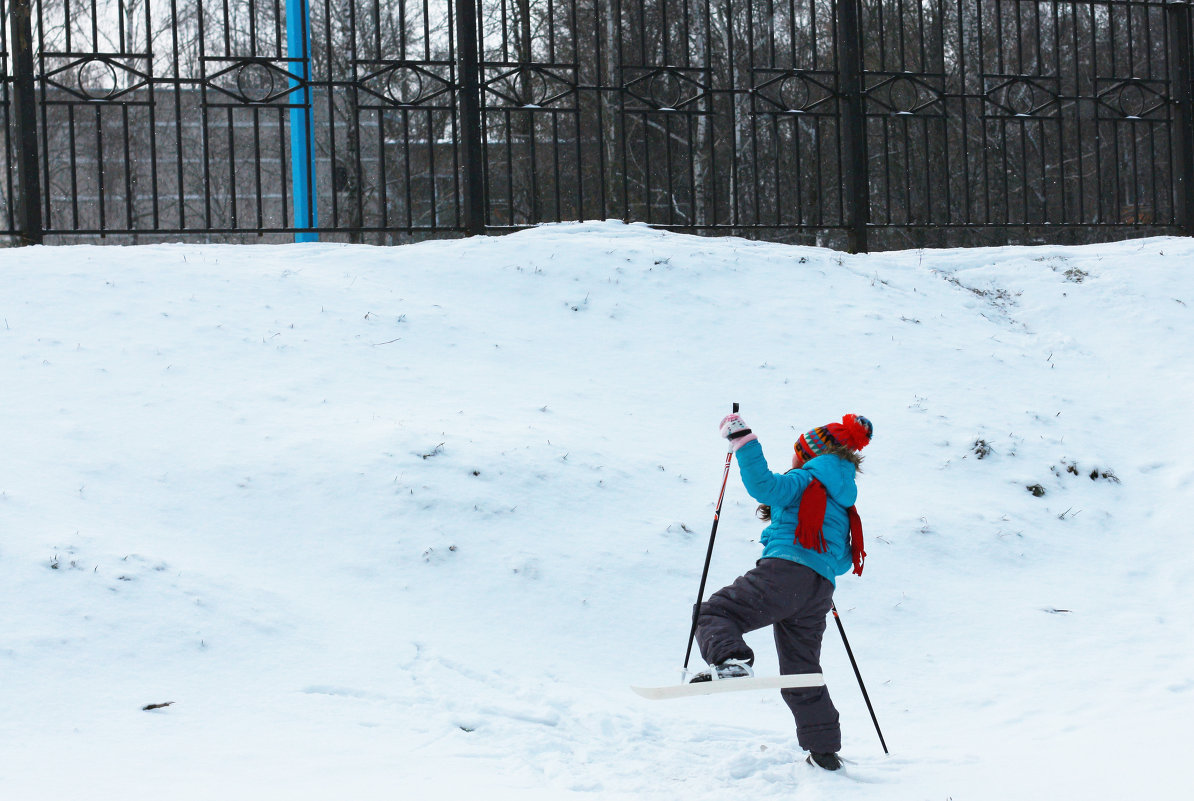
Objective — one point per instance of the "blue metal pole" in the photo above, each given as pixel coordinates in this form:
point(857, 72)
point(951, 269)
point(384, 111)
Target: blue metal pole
point(302, 121)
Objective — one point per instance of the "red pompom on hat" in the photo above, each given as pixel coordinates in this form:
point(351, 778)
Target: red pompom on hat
point(854, 431)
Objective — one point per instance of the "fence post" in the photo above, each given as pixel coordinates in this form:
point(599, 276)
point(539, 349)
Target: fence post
point(1182, 81)
point(302, 121)
point(24, 108)
point(472, 157)
point(856, 201)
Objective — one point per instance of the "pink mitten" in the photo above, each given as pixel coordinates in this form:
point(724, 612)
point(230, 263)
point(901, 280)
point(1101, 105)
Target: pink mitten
point(734, 428)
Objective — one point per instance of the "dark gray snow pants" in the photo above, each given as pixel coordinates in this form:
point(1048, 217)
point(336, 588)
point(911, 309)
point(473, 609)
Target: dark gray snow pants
point(794, 599)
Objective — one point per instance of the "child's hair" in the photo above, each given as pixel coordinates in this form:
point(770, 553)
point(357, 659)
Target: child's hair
point(763, 512)
point(853, 457)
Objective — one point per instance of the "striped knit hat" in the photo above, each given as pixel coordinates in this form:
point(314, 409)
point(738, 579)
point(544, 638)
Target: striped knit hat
point(853, 432)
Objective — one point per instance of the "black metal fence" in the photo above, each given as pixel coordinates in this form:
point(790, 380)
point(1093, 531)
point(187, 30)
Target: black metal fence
point(852, 123)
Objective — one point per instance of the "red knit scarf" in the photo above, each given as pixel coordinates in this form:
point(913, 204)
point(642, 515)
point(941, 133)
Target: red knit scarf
point(809, 527)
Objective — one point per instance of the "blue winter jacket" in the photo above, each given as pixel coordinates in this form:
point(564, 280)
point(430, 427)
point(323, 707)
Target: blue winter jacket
point(782, 493)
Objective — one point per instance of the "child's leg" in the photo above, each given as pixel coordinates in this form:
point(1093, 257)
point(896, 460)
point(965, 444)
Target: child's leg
point(798, 642)
point(755, 600)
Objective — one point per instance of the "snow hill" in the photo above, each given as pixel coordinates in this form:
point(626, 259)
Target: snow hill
point(405, 523)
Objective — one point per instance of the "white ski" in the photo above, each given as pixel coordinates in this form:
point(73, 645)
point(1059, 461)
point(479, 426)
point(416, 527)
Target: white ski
point(731, 685)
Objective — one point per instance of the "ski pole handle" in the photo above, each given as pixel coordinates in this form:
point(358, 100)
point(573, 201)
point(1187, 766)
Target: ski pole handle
point(730, 444)
point(730, 448)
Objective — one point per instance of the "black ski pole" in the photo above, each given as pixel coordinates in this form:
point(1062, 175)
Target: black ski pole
point(865, 697)
point(696, 608)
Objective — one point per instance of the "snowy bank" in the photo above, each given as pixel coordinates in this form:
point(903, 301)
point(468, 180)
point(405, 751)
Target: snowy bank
point(406, 522)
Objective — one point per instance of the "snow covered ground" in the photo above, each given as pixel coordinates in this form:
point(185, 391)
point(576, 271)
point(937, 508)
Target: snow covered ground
point(390, 523)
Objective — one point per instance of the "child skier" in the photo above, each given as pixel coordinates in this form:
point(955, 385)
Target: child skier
point(814, 536)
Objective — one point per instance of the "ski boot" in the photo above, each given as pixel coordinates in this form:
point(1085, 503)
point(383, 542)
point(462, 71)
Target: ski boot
point(828, 761)
point(729, 669)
